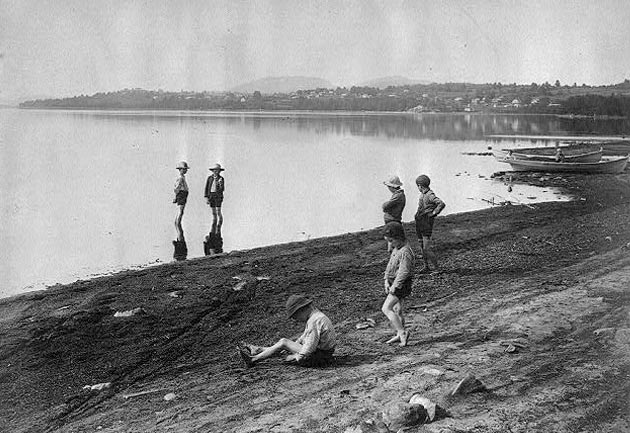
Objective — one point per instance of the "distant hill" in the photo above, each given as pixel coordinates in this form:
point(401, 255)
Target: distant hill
point(271, 85)
point(395, 80)
point(16, 100)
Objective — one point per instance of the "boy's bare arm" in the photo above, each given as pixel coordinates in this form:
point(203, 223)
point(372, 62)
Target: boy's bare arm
point(439, 206)
point(309, 345)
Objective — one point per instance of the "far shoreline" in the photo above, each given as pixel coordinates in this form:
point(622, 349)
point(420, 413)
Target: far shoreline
point(275, 113)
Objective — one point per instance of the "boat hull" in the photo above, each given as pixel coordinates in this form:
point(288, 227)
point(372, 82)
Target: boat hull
point(524, 154)
point(607, 166)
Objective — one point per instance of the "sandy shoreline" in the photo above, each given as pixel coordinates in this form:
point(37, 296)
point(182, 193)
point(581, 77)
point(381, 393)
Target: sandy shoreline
point(554, 275)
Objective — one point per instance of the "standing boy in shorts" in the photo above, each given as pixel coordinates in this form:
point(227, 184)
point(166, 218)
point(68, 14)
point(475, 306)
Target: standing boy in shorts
point(429, 206)
point(398, 279)
point(215, 185)
point(181, 196)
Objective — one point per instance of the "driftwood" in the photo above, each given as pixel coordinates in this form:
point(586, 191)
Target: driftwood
point(433, 302)
point(138, 394)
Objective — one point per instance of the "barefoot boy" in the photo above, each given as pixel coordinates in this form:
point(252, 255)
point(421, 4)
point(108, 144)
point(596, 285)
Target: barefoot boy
point(398, 279)
point(429, 206)
point(315, 346)
point(215, 186)
point(181, 196)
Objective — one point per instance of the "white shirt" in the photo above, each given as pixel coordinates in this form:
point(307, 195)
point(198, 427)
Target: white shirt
point(319, 334)
point(180, 184)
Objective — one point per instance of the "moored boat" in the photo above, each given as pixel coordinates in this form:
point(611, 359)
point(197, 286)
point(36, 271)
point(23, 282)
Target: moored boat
point(607, 165)
point(571, 154)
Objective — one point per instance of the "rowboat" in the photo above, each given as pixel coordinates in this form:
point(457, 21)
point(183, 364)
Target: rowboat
point(571, 154)
point(606, 165)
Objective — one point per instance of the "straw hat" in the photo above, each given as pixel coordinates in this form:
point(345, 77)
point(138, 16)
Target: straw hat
point(182, 164)
point(216, 166)
point(295, 302)
point(393, 181)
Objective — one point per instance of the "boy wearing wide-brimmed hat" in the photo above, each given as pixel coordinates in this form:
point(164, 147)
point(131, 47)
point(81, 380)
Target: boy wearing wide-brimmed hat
point(213, 192)
point(181, 196)
point(316, 345)
point(393, 208)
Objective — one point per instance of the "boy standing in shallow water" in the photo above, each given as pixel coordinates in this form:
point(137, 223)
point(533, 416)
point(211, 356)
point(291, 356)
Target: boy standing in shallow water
point(215, 185)
point(398, 279)
point(181, 196)
point(429, 206)
point(315, 347)
point(393, 208)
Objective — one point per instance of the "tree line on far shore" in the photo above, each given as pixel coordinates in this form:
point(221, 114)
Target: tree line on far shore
point(613, 100)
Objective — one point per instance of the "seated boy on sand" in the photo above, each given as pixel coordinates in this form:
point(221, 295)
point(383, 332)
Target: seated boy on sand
point(315, 346)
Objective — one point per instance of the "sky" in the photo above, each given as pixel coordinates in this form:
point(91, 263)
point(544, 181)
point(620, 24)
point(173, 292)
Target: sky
point(56, 48)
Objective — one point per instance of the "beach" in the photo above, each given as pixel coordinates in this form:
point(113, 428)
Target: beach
point(533, 301)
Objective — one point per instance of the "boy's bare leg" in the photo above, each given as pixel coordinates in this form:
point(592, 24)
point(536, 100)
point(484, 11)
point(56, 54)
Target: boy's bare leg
point(178, 223)
point(219, 216)
point(282, 344)
point(427, 253)
point(398, 309)
point(394, 319)
point(405, 335)
point(423, 252)
point(215, 218)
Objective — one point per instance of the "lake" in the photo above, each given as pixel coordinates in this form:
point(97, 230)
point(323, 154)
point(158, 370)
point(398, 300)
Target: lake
point(90, 192)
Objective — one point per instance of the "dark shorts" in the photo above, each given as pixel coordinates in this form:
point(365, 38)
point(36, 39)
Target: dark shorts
point(424, 225)
point(403, 291)
point(215, 200)
point(180, 198)
point(389, 219)
point(319, 358)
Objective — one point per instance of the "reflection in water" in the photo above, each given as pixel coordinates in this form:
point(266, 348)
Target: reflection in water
point(181, 249)
point(433, 126)
point(213, 244)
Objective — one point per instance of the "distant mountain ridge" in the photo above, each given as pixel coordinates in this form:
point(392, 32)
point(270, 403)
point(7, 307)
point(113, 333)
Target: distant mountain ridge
point(394, 80)
point(269, 85)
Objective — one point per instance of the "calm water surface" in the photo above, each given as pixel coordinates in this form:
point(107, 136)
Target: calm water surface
point(86, 193)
